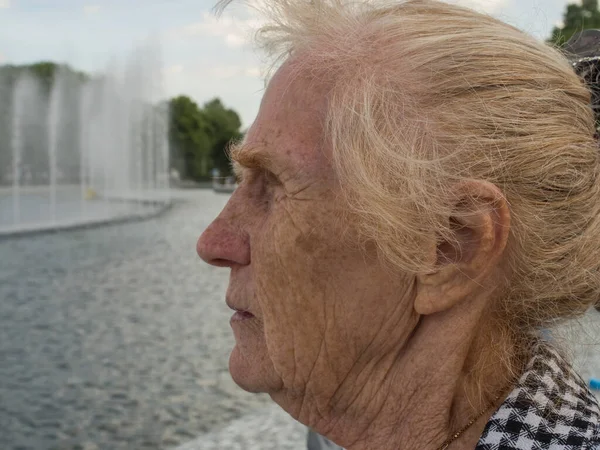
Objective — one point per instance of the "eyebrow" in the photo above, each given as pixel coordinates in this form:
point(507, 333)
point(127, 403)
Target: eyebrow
point(247, 156)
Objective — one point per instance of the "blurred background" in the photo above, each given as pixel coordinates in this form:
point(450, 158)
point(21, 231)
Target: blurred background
point(114, 120)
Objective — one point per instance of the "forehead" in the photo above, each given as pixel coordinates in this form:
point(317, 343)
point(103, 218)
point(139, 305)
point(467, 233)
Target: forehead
point(289, 125)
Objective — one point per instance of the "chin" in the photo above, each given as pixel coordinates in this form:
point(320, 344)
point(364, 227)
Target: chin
point(243, 372)
point(253, 373)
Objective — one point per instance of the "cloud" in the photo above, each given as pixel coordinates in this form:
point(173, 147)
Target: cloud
point(203, 74)
point(233, 71)
point(4, 4)
point(253, 72)
point(488, 6)
point(90, 10)
point(234, 40)
point(174, 69)
point(234, 31)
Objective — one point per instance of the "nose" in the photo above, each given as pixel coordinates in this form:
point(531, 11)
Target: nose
point(223, 245)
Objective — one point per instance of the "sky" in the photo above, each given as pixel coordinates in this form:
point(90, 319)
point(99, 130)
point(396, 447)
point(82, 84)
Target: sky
point(201, 56)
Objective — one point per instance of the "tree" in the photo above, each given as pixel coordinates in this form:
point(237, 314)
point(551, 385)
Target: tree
point(199, 137)
point(225, 129)
point(576, 18)
point(189, 138)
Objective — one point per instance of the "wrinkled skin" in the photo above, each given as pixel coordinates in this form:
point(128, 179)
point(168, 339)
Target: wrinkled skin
point(294, 264)
point(333, 335)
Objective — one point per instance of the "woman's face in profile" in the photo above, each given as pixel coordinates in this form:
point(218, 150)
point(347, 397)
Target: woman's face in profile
point(318, 309)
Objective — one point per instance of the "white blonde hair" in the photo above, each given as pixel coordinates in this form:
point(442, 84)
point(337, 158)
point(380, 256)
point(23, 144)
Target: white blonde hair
point(424, 95)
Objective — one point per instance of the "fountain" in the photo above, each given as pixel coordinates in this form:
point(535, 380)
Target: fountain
point(83, 149)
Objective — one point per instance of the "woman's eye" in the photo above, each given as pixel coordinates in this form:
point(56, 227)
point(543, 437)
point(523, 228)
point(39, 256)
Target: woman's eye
point(270, 178)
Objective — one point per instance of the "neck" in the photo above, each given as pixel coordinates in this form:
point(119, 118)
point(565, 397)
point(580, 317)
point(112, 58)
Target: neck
point(423, 394)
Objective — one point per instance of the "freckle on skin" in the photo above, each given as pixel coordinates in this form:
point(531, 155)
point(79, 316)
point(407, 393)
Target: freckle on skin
point(306, 244)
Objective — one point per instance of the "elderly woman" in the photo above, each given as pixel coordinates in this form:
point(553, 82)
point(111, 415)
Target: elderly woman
point(419, 195)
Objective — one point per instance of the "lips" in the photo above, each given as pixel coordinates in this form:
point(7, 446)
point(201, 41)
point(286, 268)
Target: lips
point(239, 311)
point(243, 315)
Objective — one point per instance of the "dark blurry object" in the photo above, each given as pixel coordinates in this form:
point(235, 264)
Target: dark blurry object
point(583, 50)
point(585, 44)
point(576, 16)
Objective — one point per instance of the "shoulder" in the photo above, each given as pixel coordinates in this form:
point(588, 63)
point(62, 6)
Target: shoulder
point(317, 442)
point(550, 408)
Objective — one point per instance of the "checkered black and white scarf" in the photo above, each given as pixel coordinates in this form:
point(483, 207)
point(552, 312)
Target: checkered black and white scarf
point(550, 408)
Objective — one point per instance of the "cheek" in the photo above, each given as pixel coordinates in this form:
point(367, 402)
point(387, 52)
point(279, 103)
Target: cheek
point(291, 254)
point(289, 264)
point(324, 302)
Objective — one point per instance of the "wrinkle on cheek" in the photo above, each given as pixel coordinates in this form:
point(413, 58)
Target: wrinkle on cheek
point(299, 258)
point(274, 297)
point(306, 191)
point(307, 230)
point(291, 298)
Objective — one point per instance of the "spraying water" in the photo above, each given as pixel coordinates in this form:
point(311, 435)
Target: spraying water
point(53, 135)
point(16, 146)
point(82, 143)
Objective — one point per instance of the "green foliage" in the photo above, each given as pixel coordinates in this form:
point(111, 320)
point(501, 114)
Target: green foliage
point(199, 137)
point(225, 129)
point(43, 71)
point(576, 18)
point(189, 138)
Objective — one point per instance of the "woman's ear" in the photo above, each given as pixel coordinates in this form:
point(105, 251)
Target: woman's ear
point(480, 225)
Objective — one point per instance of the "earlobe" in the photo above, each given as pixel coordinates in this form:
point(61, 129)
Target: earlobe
point(465, 264)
